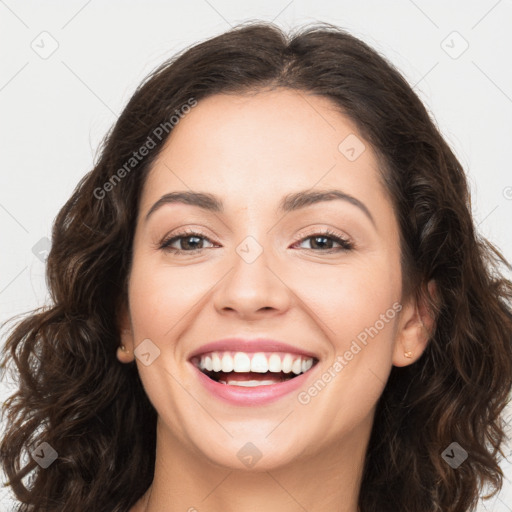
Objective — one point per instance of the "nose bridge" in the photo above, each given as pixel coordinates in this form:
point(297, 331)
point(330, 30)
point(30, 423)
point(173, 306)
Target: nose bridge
point(252, 284)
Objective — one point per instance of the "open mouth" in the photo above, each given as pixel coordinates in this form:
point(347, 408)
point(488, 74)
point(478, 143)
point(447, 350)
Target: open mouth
point(252, 369)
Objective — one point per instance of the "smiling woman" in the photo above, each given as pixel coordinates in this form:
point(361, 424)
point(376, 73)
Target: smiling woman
point(284, 306)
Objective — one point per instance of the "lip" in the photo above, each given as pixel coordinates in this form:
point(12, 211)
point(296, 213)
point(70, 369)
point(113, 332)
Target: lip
point(250, 346)
point(252, 396)
point(257, 395)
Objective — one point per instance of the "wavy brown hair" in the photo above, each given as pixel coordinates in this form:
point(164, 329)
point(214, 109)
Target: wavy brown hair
point(73, 393)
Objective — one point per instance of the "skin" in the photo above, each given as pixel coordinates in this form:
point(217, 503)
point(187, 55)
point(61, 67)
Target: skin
point(251, 150)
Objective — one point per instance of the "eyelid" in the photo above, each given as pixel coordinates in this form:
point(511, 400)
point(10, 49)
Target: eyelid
point(325, 231)
point(176, 234)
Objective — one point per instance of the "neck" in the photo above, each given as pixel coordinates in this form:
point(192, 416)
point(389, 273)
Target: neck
point(328, 481)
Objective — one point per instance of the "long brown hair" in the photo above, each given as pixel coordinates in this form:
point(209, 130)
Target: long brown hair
point(93, 411)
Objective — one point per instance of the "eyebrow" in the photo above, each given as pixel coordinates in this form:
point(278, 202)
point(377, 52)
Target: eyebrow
point(290, 202)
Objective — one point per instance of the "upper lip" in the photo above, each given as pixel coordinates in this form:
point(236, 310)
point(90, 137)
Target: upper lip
point(250, 345)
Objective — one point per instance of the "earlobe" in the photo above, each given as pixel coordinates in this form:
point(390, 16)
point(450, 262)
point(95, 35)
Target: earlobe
point(415, 329)
point(124, 354)
point(125, 350)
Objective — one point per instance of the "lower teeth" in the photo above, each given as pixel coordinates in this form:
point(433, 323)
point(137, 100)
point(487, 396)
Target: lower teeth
point(248, 383)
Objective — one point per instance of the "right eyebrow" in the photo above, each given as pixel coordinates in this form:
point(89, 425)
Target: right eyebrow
point(200, 199)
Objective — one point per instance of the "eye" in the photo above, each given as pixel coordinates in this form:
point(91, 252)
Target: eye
point(324, 241)
point(192, 242)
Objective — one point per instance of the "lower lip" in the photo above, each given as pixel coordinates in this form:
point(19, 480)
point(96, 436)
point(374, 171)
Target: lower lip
point(257, 395)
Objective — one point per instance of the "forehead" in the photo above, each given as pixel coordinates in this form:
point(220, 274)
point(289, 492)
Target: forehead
point(255, 148)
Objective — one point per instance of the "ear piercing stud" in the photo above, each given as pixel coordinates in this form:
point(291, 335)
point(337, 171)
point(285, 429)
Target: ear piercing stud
point(408, 354)
point(124, 349)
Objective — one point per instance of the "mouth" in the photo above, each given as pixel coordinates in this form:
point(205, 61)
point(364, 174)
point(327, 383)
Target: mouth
point(252, 369)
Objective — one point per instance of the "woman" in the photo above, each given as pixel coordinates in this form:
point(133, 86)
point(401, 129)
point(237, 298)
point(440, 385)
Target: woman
point(267, 295)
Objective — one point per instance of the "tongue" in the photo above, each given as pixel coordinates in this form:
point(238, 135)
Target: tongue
point(245, 376)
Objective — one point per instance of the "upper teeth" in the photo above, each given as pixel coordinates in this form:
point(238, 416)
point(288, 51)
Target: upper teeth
point(259, 362)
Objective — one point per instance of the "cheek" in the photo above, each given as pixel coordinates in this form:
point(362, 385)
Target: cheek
point(348, 299)
point(161, 295)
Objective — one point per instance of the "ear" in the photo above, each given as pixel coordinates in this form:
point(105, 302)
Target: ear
point(415, 328)
point(125, 354)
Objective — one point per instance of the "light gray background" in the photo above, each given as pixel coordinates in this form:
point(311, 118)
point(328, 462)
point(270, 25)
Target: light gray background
point(56, 108)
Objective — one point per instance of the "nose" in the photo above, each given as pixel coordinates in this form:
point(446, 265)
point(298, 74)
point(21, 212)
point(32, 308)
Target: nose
point(253, 288)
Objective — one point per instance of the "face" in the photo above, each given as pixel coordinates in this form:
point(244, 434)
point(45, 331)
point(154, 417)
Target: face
point(322, 277)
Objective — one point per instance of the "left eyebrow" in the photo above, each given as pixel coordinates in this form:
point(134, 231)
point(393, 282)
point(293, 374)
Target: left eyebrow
point(297, 200)
point(290, 202)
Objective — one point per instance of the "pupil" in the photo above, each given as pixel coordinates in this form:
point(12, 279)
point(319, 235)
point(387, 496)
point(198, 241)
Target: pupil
point(191, 238)
point(320, 238)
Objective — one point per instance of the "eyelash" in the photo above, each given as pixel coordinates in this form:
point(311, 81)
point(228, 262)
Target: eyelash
point(345, 244)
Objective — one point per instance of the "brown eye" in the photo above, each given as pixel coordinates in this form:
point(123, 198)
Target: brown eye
point(189, 241)
point(324, 241)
